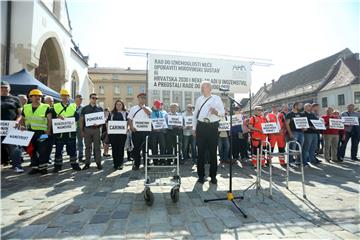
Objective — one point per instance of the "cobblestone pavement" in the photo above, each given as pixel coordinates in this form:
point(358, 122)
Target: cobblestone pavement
point(103, 204)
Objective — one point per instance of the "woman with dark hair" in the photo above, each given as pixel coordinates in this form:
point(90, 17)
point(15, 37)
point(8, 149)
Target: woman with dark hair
point(117, 141)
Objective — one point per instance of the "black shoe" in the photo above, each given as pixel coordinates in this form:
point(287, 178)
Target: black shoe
point(340, 159)
point(121, 167)
point(43, 171)
point(283, 165)
point(87, 166)
point(99, 166)
point(75, 167)
point(33, 171)
point(355, 159)
point(56, 169)
point(201, 180)
point(213, 181)
point(135, 168)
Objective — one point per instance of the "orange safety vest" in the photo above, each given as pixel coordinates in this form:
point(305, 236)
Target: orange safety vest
point(256, 122)
point(278, 118)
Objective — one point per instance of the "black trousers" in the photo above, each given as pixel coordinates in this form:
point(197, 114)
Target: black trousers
point(138, 139)
point(206, 140)
point(117, 142)
point(244, 146)
point(235, 145)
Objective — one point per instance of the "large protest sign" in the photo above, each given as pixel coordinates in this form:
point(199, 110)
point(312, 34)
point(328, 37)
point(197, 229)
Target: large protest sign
point(158, 123)
point(336, 123)
point(96, 118)
point(117, 127)
point(5, 126)
point(174, 120)
point(224, 126)
point(237, 120)
point(269, 128)
point(170, 72)
point(17, 137)
point(142, 125)
point(350, 121)
point(63, 126)
point(188, 121)
point(318, 124)
point(301, 122)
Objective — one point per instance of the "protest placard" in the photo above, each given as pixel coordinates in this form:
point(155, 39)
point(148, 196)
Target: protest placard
point(63, 126)
point(269, 128)
point(224, 126)
point(97, 118)
point(301, 122)
point(142, 125)
point(188, 121)
point(17, 137)
point(117, 127)
point(318, 124)
point(237, 119)
point(158, 123)
point(5, 126)
point(336, 123)
point(174, 120)
point(350, 121)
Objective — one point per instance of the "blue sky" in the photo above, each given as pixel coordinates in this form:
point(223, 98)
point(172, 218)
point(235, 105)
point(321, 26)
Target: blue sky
point(290, 33)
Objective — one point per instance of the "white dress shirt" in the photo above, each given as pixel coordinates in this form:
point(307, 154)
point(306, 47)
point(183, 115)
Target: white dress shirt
point(214, 102)
point(140, 115)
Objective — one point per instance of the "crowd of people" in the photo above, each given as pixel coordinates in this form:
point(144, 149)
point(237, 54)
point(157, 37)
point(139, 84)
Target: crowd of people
point(199, 142)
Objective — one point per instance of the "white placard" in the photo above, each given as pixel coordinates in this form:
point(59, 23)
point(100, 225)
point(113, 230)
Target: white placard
point(171, 72)
point(174, 120)
point(142, 125)
point(318, 124)
point(63, 126)
point(117, 127)
point(270, 128)
point(158, 123)
point(17, 137)
point(188, 121)
point(336, 123)
point(97, 118)
point(237, 120)
point(224, 126)
point(350, 121)
point(5, 126)
point(301, 122)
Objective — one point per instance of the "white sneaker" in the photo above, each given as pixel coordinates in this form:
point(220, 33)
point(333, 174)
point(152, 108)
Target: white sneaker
point(19, 170)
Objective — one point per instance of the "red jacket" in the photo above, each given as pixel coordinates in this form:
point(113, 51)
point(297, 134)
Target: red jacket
point(328, 130)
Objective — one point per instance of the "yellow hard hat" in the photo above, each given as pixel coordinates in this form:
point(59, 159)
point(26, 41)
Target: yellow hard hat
point(36, 92)
point(64, 92)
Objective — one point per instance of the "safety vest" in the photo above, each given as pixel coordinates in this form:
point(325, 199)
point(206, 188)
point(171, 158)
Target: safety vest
point(278, 118)
point(36, 120)
point(256, 122)
point(69, 111)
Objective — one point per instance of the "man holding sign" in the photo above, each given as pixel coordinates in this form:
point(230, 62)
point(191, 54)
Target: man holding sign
point(157, 135)
point(90, 130)
point(64, 110)
point(331, 137)
point(310, 137)
point(187, 134)
point(175, 128)
point(37, 118)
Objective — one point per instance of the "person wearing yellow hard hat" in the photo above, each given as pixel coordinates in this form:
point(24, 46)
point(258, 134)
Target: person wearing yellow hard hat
point(37, 118)
point(63, 110)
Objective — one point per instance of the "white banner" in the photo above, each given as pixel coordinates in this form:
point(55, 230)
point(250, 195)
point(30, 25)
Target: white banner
point(158, 123)
point(63, 126)
point(350, 121)
point(174, 120)
point(97, 118)
point(269, 128)
point(142, 125)
point(117, 127)
point(224, 126)
point(237, 120)
point(5, 126)
point(17, 137)
point(336, 123)
point(318, 124)
point(188, 121)
point(184, 73)
point(301, 122)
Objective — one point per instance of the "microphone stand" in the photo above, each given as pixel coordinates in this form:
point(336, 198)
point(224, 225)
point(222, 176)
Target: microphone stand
point(229, 196)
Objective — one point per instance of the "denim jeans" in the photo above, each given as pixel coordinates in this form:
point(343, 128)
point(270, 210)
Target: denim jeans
point(224, 147)
point(187, 140)
point(299, 137)
point(309, 147)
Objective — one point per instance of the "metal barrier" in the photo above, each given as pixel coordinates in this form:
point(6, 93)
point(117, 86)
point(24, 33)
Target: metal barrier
point(294, 152)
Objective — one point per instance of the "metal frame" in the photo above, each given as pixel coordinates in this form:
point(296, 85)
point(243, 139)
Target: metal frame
point(295, 152)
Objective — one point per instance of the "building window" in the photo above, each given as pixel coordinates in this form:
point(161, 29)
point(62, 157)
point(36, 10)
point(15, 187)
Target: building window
point(101, 89)
point(129, 90)
point(117, 89)
point(142, 89)
point(357, 97)
point(341, 100)
point(115, 77)
point(324, 102)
